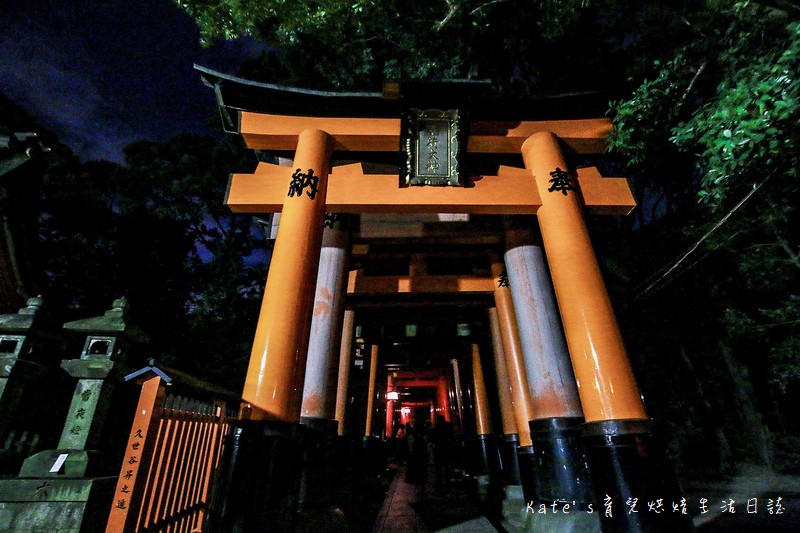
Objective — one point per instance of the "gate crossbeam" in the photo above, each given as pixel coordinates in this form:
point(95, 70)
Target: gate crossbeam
point(352, 191)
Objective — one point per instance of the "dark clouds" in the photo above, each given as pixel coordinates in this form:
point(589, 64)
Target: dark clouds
point(101, 74)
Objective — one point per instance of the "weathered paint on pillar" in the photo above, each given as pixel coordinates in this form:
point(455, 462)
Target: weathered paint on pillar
point(344, 367)
point(512, 347)
point(482, 419)
point(554, 393)
point(326, 326)
point(606, 384)
point(373, 376)
point(277, 360)
point(501, 371)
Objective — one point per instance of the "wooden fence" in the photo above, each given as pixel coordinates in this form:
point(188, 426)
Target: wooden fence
point(171, 461)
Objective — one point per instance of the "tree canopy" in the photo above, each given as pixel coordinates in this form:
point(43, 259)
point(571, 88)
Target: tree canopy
point(157, 231)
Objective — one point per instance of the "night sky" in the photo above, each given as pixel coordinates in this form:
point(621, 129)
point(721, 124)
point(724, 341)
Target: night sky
point(101, 74)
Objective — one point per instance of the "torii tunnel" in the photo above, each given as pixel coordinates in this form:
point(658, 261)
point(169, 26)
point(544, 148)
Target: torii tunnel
point(432, 258)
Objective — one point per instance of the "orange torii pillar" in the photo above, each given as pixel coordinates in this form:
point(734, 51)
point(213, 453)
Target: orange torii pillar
point(277, 360)
point(373, 376)
point(517, 375)
point(319, 389)
point(442, 398)
point(510, 438)
point(488, 460)
point(624, 458)
point(345, 349)
point(389, 407)
point(556, 428)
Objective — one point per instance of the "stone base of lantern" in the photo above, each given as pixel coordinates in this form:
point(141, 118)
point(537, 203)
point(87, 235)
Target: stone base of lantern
point(64, 463)
point(55, 505)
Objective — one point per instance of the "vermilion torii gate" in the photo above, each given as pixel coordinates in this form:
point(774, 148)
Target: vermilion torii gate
point(303, 193)
point(592, 333)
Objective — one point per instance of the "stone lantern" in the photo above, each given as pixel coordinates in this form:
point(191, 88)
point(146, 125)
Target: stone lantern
point(15, 330)
point(99, 369)
point(24, 373)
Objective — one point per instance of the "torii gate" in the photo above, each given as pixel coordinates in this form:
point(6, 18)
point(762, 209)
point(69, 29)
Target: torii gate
point(303, 193)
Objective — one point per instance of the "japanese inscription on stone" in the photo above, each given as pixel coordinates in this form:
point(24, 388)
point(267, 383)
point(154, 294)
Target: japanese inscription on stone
point(81, 413)
point(432, 147)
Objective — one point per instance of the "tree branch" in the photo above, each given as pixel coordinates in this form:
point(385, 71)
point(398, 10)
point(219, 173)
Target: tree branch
point(690, 87)
point(452, 9)
point(487, 4)
point(667, 270)
point(783, 243)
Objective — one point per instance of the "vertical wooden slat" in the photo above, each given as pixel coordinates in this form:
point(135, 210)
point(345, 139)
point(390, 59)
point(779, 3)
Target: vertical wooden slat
point(157, 493)
point(157, 481)
point(195, 444)
point(175, 457)
point(166, 466)
point(148, 487)
point(219, 429)
point(210, 424)
point(166, 473)
point(198, 445)
point(188, 500)
point(194, 496)
point(139, 452)
point(186, 459)
point(178, 458)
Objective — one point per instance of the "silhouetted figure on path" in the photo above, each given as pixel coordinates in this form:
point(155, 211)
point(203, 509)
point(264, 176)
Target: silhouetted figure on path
point(403, 451)
point(417, 472)
point(443, 439)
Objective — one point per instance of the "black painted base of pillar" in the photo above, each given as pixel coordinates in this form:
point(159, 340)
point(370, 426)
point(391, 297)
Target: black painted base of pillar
point(375, 458)
point(321, 424)
point(627, 461)
point(509, 462)
point(527, 472)
point(485, 456)
point(319, 479)
point(561, 473)
point(261, 477)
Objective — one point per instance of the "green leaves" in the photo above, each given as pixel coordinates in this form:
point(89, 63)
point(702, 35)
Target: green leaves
point(738, 117)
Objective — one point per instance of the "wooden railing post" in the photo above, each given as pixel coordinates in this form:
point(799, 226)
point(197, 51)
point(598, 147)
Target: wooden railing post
point(128, 495)
point(172, 455)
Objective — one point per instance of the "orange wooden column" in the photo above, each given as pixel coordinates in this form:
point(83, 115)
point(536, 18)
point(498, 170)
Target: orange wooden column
point(606, 384)
point(501, 370)
point(277, 361)
point(389, 407)
point(442, 398)
point(373, 376)
point(482, 419)
point(515, 363)
point(344, 368)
